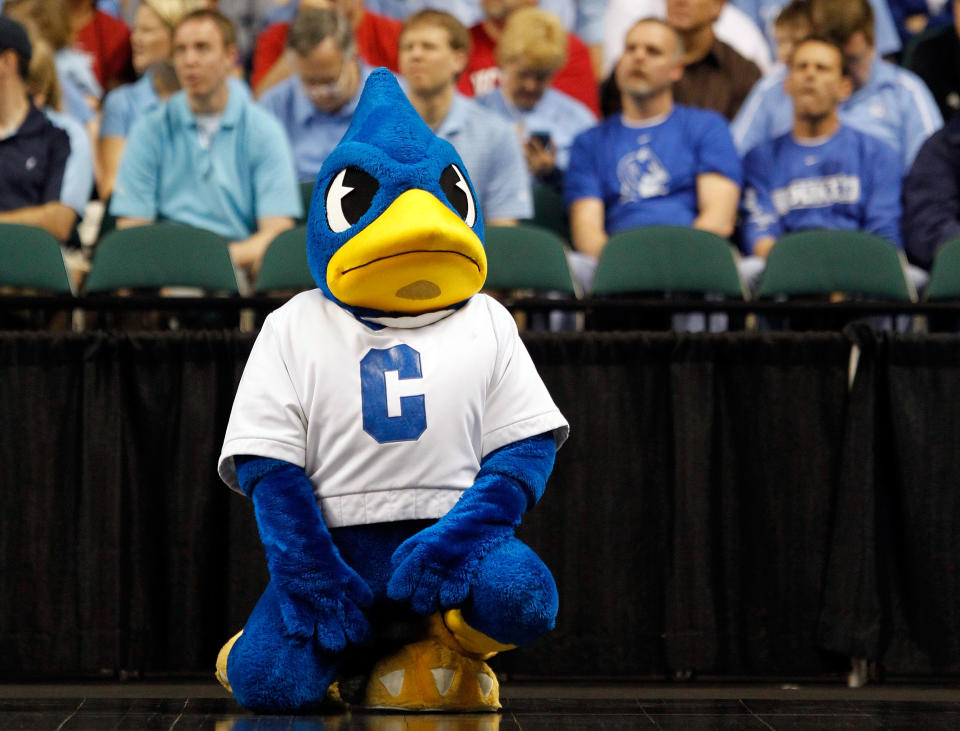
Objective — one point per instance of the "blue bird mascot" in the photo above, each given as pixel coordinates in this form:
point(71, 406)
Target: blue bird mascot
point(391, 430)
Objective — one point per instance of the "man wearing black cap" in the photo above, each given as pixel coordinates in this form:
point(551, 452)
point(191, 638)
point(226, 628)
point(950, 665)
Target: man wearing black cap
point(33, 152)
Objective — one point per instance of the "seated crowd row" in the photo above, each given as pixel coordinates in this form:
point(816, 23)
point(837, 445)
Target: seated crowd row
point(692, 133)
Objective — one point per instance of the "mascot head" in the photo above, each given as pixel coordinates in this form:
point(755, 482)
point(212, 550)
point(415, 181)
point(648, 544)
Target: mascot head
point(395, 224)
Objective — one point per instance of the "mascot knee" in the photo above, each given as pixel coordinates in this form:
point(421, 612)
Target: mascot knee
point(516, 600)
point(260, 661)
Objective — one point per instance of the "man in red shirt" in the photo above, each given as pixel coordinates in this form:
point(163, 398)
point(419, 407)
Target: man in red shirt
point(376, 35)
point(482, 75)
point(106, 39)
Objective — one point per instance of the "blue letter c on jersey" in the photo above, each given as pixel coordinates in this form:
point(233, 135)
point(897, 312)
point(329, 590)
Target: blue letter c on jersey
point(387, 416)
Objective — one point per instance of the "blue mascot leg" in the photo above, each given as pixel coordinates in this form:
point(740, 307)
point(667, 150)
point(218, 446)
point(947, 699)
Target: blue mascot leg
point(514, 598)
point(269, 672)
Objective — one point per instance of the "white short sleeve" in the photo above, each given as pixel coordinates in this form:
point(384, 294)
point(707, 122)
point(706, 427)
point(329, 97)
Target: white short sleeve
point(267, 419)
point(518, 404)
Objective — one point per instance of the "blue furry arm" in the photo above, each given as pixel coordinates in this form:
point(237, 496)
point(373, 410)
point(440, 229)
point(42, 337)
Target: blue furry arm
point(321, 597)
point(434, 568)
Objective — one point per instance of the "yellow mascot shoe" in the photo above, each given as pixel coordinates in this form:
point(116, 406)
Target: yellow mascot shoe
point(433, 674)
point(222, 661)
point(472, 641)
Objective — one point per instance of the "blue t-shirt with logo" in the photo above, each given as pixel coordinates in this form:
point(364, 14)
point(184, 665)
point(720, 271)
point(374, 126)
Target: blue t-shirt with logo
point(646, 173)
point(849, 181)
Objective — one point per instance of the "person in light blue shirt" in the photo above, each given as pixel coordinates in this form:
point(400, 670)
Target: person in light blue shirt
point(316, 104)
point(433, 52)
point(887, 101)
point(210, 157)
point(78, 173)
point(531, 50)
point(44, 89)
point(764, 14)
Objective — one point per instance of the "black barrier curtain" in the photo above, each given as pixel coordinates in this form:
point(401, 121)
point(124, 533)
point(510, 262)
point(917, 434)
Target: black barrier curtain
point(688, 515)
point(725, 504)
point(893, 593)
point(116, 537)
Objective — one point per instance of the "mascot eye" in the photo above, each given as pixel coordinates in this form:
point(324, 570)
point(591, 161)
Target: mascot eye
point(458, 193)
point(349, 196)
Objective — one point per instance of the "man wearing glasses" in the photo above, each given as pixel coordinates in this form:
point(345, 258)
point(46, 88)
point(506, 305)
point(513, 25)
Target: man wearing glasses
point(316, 104)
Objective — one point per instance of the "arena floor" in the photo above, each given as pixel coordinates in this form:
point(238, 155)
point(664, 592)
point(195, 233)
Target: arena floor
point(526, 706)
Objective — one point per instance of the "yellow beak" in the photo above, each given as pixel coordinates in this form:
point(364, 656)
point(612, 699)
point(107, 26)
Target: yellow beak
point(416, 256)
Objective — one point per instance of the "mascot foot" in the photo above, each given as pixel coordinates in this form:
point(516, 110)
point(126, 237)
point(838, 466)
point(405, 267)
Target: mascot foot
point(436, 674)
point(222, 661)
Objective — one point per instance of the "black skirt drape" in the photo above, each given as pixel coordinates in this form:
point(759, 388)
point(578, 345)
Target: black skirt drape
point(725, 504)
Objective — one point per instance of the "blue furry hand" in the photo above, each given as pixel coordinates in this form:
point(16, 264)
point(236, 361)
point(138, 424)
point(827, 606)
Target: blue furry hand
point(320, 596)
point(435, 568)
point(326, 605)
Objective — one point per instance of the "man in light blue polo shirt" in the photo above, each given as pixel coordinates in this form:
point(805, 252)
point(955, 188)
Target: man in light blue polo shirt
point(433, 53)
point(210, 157)
point(316, 104)
point(888, 102)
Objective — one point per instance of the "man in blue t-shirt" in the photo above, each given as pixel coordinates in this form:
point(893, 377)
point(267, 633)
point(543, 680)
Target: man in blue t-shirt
point(886, 101)
point(656, 163)
point(822, 174)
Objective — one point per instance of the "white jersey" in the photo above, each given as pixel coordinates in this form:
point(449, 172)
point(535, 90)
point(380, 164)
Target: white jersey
point(388, 424)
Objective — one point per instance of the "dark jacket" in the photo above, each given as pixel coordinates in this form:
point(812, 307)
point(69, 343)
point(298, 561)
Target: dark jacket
point(931, 195)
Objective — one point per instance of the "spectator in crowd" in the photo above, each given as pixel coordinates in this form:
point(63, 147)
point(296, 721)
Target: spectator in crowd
point(481, 75)
point(931, 195)
point(49, 20)
point(822, 174)
point(531, 50)
point(935, 60)
point(764, 13)
point(733, 26)
point(210, 157)
point(105, 39)
point(44, 90)
point(791, 26)
point(151, 42)
point(433, 52)
point(656, 163)
point(316, 104)
point(715, 76)
point(39, 183)
point(888, 102)
point(376, 37)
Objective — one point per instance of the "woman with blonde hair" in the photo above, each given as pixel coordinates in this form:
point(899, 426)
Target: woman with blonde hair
point(532, 49)
point(49, 21)
point(151, 42)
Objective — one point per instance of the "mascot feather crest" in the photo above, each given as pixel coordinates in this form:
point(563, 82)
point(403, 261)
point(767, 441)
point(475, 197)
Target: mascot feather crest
point(391, 431)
